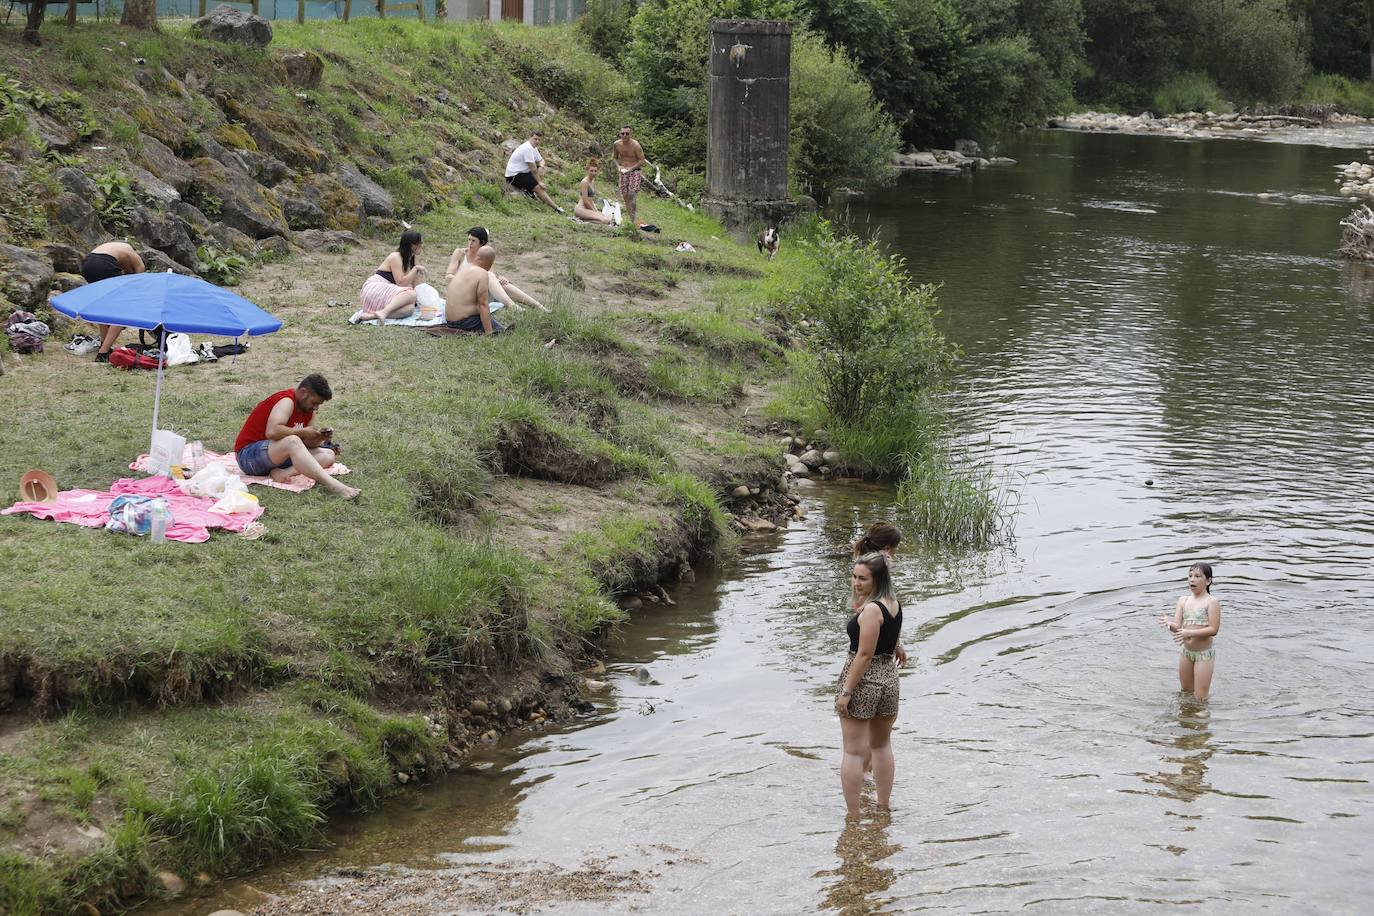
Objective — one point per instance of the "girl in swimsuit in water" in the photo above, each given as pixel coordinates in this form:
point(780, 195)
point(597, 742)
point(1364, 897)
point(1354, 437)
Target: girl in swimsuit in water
point(1197, 619)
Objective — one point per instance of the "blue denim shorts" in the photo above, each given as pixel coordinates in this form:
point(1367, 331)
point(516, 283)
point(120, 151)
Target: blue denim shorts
point(253, 460)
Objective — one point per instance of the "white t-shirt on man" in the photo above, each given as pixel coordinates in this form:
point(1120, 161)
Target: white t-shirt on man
point(524, 159)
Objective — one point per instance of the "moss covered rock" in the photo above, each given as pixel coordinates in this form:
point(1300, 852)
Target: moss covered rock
point(163, 125)
point(342, 208)
point(240, 201)
point(278, 134)
point(235, 137)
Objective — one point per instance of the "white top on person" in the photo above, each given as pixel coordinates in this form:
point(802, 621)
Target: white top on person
point(524, 159)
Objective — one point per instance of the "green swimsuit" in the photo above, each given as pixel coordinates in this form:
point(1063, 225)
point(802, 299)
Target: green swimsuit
point(1197, 618)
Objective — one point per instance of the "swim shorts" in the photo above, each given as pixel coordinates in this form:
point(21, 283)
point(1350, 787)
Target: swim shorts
point(878, 693)
point(99, 266)
point(524, 181)
point(254, 461)
point(630, 182)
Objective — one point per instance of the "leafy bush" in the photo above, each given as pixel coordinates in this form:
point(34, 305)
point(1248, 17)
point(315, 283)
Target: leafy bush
point(119, 198)
point(224, 268)
point(1338, 92)
point(872, 330)
point(839, 134)
point(1189, 92)
point(606, 27)
point(1253, 49)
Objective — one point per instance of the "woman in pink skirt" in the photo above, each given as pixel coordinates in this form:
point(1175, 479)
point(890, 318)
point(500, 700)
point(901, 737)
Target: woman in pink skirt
point(390, 292)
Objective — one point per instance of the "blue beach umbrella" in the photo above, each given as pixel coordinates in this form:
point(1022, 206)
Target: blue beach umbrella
point(179, 304)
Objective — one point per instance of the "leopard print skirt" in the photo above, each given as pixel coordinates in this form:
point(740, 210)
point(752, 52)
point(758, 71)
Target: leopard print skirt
point(878, 692)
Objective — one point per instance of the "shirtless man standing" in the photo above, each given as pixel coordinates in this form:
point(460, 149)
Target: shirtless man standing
point(112, 259)
point(629, 155)
point(469, 292)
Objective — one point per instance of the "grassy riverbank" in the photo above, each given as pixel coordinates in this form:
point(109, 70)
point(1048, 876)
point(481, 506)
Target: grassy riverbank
point(201, 708)
point(203, 705)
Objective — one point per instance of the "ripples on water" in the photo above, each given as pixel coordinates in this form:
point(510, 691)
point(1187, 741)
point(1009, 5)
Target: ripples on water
point(1174, 374)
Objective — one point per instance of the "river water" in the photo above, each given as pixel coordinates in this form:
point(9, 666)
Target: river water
point(1164, 354)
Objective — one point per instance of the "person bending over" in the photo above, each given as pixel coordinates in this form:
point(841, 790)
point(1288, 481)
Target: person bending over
point(112, 259)
point(525, 170)
point(467, 307)
point(278, 440)
point(502, 290)
point(390, 292)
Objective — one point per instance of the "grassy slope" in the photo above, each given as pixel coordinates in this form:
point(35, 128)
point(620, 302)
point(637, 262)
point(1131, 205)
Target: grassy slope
point(203, 704)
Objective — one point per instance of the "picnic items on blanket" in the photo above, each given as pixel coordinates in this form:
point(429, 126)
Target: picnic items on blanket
point(167, 301)
point(190, 517)
point(413, 320)
point(168, 449)
point(37, 486)
point(428, 302)
point(236, 497)
point(136, 515)
point(296, 484)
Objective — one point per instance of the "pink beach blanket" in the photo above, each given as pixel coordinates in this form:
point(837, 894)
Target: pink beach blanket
point(192, 517)
point(295, 484)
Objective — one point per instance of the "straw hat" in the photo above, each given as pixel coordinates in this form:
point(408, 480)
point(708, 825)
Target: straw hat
point(37, 487)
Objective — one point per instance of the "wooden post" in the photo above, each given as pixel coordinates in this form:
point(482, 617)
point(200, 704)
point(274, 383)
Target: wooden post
point(420, 5)
point(348, 9)
point(71, 14)
point(300, 11)
point(381, 9)
point(202, 9)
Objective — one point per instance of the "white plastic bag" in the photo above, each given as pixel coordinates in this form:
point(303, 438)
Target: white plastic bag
point(209, 480)
point(179, 352)
point(611, 209)
point(236, 498)
point(167, 449)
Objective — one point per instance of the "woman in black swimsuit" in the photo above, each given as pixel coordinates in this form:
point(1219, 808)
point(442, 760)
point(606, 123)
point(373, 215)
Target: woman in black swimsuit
point(868, 697)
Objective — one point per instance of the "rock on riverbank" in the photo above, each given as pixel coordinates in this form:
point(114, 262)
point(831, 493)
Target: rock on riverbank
point(1189, 124)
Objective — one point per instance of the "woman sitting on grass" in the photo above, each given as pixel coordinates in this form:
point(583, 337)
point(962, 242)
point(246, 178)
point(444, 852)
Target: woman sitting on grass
point(390, 292)
point(586, 197)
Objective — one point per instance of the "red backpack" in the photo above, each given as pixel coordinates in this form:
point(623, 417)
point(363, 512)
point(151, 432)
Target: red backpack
point(129, 358)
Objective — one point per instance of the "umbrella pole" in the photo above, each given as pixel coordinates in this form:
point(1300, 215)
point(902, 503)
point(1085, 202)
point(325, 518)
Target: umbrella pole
point(157, 389)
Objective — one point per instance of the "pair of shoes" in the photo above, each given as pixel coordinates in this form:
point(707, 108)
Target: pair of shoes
point(206, 353)
point(560, 210)
point(648, 227)
point(102, 357)
point(82, 344)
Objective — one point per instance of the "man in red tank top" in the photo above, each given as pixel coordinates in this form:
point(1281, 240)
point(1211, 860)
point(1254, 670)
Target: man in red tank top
point(278, 440)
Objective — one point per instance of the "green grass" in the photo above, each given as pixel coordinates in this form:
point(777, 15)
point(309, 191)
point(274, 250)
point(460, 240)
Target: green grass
point(1338, 92)
point(952, 497)
point(1189, 92)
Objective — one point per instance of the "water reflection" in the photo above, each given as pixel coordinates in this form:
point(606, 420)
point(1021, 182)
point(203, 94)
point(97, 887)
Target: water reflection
point(1190, 746)
point(861, 876)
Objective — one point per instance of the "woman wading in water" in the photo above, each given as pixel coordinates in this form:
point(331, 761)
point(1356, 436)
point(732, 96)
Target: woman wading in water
point(1197, 619)
point(868, 697)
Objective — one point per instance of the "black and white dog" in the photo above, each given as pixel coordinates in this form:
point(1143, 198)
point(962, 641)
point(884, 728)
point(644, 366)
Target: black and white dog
point(768, 241)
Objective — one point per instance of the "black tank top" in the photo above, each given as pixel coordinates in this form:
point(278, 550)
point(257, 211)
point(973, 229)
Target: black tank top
point(887, 636)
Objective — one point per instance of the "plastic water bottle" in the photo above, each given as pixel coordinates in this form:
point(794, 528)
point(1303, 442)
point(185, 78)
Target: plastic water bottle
point(197, 457)
point(157, 531)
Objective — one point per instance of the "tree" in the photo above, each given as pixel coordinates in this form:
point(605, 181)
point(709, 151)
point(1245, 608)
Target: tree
point(140, 14)
point(33, 20)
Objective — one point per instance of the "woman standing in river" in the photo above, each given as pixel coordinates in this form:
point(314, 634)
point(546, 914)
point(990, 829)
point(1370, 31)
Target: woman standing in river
point(1197, 619)
point(868, 697)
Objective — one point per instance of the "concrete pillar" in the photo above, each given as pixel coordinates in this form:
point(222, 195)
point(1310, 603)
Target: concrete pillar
point(747, 123)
